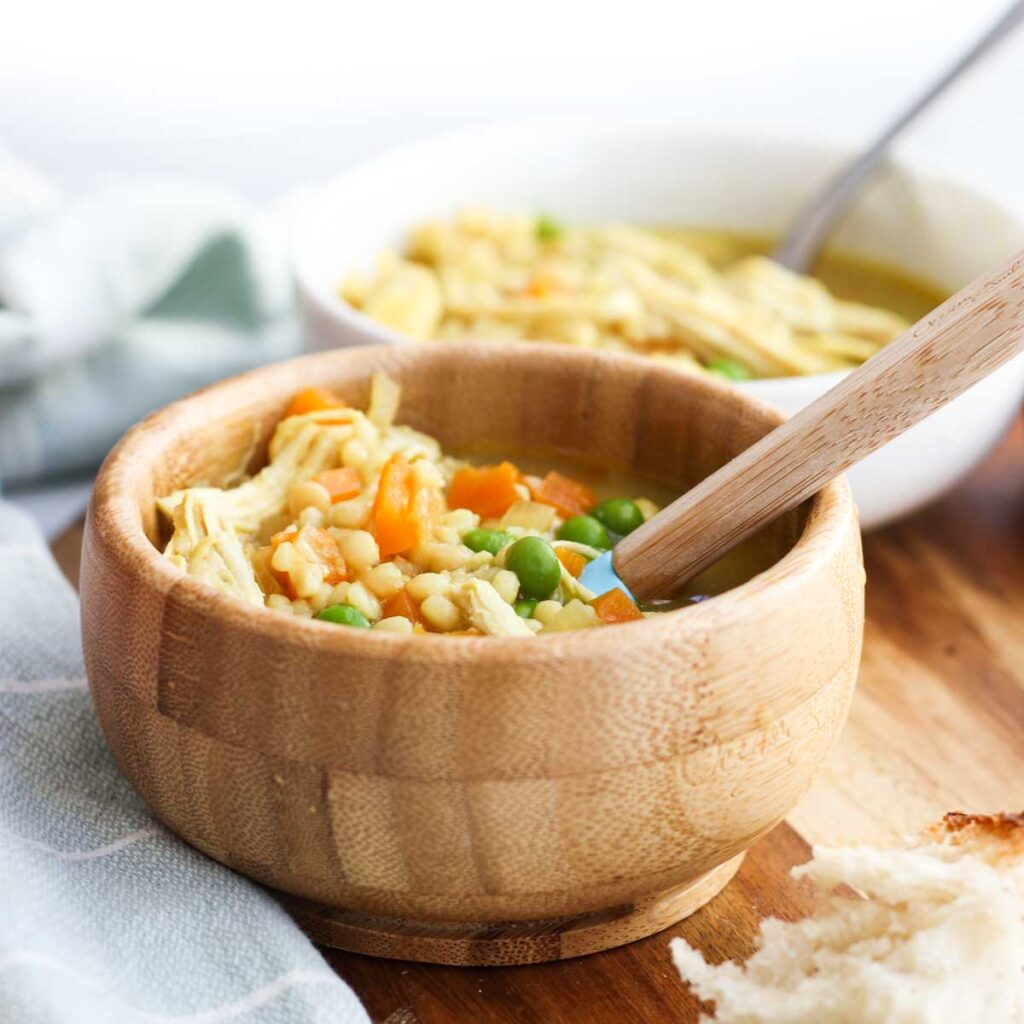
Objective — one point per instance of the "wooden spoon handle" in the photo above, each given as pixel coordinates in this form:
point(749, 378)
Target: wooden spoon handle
point(942, 355)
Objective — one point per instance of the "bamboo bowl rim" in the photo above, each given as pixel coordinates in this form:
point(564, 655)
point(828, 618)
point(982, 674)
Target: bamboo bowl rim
point(116, 520)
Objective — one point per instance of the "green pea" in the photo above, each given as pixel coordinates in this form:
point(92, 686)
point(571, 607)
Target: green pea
point(534, 561)
point(731, 369)
point(524, 607)
point(485, 540)
point(344, 615)
point(620, 515)
point(548, 229)
point(585, 530)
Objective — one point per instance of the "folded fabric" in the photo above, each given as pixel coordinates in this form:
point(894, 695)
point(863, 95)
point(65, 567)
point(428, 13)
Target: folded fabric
point(118, 302)
point(105, 916)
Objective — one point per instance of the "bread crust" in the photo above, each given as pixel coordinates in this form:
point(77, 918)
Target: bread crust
point(995, 837)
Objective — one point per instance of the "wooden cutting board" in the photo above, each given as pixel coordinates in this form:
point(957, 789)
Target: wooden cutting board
point(937, 724)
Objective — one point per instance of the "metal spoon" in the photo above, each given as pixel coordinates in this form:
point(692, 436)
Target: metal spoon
point(815, 221)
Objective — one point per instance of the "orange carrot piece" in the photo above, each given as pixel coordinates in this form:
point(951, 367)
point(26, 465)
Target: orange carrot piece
point(313, 400)
point(402, 604)
point(488, 491)
point(541, 284)
point(569, 497)
point(325, 551)
point(572, 560)
point(283, 578)
point(402, 513)
point(340, 484)
point(289, 533)
point(394, 524)
point(325, 547)
point(615, 606)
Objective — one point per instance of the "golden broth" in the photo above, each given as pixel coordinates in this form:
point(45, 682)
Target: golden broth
point(746, 560)
point(850, 277)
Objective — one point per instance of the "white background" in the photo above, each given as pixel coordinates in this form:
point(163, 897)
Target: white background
point(261, 96)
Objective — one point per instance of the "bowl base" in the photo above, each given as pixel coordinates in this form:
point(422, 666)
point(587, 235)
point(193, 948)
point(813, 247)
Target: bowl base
point(489, 944)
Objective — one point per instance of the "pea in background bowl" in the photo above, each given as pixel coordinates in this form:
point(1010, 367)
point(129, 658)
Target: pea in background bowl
point(921, 222)
point(472, 800)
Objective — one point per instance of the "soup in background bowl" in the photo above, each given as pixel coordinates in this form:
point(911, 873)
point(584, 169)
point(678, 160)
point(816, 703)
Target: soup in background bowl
point(698, 300)
point(923, 225)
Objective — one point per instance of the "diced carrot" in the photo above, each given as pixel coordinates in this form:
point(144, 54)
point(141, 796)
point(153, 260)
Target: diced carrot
point(289, 533)
point(541, 284)
point(403, 513)
point(395, 526)
point(327, 552)
point(324, 549)
point(568, 496)
point(572, 560)
point(615, 606)
point(402, 604)
point(340, 484)
point(488, 491)
point(313, 400)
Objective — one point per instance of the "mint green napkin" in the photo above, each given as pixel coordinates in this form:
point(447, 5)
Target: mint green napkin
point(120, 301)
point(105, 916)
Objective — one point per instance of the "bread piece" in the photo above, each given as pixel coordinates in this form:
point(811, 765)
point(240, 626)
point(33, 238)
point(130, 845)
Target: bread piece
point(929, 933)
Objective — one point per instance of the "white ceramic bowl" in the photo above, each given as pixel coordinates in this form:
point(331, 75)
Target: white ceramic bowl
point(933, 227)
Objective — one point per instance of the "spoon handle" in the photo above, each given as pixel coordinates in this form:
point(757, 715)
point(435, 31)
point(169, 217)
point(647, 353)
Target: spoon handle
point(953, 347)
point(815, 221)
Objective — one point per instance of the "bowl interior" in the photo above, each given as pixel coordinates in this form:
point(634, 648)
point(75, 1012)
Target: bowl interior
point(922, 222)
point(620, 414)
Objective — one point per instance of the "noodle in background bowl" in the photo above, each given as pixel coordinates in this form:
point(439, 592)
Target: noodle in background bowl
point(911, 219)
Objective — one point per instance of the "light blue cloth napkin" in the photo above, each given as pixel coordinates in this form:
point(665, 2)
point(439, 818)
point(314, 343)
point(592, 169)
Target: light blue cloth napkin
point(119, 301)
point(105, 916)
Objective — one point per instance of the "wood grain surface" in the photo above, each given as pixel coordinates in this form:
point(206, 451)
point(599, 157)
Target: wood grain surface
point(936, 724)
point(956, 345)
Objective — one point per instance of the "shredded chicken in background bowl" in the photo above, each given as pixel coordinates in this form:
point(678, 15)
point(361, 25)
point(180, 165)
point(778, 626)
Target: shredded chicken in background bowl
point(491, 276)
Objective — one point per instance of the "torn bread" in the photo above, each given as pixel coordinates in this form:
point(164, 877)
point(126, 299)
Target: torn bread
point(929, 933)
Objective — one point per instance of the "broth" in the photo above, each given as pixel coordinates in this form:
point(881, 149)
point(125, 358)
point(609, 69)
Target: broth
point(738, 566)
point(846, 276)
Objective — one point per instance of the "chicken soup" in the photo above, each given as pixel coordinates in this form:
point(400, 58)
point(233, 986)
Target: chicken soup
point(360, 521)
point(704, 301)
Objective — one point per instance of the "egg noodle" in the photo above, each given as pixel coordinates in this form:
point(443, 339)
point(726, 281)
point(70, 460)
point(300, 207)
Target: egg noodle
point(489, 276)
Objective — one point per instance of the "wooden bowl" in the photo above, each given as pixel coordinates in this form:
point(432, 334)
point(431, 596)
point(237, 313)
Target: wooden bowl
point(472, 800)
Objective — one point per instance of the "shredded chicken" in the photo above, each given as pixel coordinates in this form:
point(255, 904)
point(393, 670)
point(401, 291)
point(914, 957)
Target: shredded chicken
point(488, 612)
point(618, 287)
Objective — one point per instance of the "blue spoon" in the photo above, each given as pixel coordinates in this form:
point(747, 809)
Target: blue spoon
point(600, 577)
